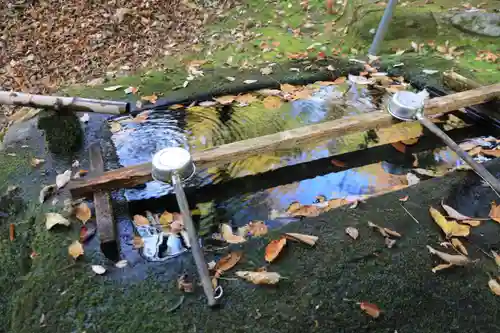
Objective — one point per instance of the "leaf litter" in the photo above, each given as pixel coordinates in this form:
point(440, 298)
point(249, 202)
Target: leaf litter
point(274, 248)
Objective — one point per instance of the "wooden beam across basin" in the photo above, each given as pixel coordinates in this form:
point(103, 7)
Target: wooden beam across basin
point(139, 174)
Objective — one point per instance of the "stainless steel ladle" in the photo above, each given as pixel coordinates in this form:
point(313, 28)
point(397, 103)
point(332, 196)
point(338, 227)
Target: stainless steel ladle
point(409, 106)
point(174, 165)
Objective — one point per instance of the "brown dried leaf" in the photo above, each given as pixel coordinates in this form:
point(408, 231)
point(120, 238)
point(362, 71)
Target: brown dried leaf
point(225, 100)
point(441, 267)
point(140, 220)
point(151, 98)
point(246, 99)
point(453, 213)
point(228, 261)
point(259, 277)
point(338, 163)
point(228, 236)
point(352, 232)
point(459, 246)
point(82, 212)
point(36, 161)
point(490, 152)
point(288, 88)
point(389, 243)
point(494, 286)
point(75, 249)
point(392, 232)
point(370, 309)
point(272, 102)
point(274, 248)
point(455, 259)
point(307, 239)
point(257, 228)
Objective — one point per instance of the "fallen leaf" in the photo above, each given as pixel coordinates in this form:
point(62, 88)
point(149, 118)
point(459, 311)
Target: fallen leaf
point(307, 239)
point(495, 212)
point(404, 199)
point(429, 71)
point(259, 277)
point(389, 243)
point(228, 236)
point(225, 100)
point(36, 162)
point(63, 179)
point(490, 152)
point(75, 249)
point(288, 88)
point(272, 102)
point(410, 142)
point(472, 223)
point(455, 259)
point(361, 80)
point(249, 81)
point(269, 92)
point(453, 213)
point(338, 163)
point(184, 285)
point(228, 261)
point(370, 309)
point(207, 103)
point(257, 228)
point(496, 257)
point(52, 219)
point(112, 88)
point(230, 78)
point(475, 151)
point(392, 232)
point(12, 232)
point(98, 269)
point(121, 264)
point(340, 80)
point(274, 248)
point(385, 232)
point(494, 286)
point(441, 267)
point(82, 212)
point(130, 90)
point(450, 228)
point(150, 98)
point(399, 147)
point(138, 242)
point(266, 70)
point(352, 232)
point(115, 127)
point(166, 218)
point(459, 246)
point(246, 99)
point(46, 192)
point(140, 220)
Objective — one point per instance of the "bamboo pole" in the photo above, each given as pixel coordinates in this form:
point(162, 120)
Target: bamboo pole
point(140, 174)
point(60, 102)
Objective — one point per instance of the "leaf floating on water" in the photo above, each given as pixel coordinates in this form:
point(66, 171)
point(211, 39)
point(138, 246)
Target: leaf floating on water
point(404, 199)
point(307, 239)
point(166, 218)
point(259, 277)
point(441, 267)
point(495, 212)
point(459, 246)
point(140, 220)
point(454, 214)
point(450, 228)
point(370, 309)
point(75, 249)
point(53, 219)
point(46, 192)
point(338, 163)
point(455, 259)
point(494, 286)
point(272, 102)
point(257, 228)
point(228, 236)
point(225, 100)
point(399, 147)
point(273, 249)
point(63, 179)
point(228, 261)
point(98, 269)
point(266, 70)
point(83, 213)
point(352, 232)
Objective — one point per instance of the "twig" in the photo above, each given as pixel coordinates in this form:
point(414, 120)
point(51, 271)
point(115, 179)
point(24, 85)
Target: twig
point(406, 210)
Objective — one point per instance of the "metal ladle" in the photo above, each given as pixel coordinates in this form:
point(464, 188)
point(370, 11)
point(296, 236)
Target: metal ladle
point(409, 106)
point(174, 165)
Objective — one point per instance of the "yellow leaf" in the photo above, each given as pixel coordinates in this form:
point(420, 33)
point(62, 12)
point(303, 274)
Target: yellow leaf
point(166, 218)
point(225, 100)
point(83, 213)
point(140, 220)
point(272, 102)
point(75, 249)
point(495, 212)
point(472, 223)
point(494, 286)
point(450, 228)
point(259, 277)
point(459, 246)
point(440, 267)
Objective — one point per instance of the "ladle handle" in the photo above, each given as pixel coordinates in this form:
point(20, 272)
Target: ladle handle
point(478, 168)
point(199, 259)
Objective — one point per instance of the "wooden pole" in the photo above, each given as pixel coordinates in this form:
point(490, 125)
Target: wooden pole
point(60, 102)
point(140, 174)
point(458, 82)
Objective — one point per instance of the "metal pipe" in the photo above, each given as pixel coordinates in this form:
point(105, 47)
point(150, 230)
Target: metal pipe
point(382, 27)
point(199, 259)
point(478, 168)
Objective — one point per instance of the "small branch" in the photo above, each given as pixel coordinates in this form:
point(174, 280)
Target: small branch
point(406, 210)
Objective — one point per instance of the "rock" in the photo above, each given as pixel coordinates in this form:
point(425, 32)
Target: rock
point(486, 24)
